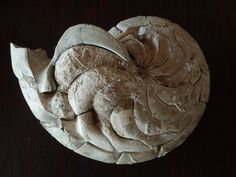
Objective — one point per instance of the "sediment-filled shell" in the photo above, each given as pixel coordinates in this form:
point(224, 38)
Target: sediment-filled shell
point(124, 96)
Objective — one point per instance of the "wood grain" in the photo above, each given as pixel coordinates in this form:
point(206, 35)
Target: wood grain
point(27, 150)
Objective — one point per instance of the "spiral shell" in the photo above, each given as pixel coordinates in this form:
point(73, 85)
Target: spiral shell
point(124, 96)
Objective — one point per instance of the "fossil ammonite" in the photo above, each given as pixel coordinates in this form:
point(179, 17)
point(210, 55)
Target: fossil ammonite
point(124, 96)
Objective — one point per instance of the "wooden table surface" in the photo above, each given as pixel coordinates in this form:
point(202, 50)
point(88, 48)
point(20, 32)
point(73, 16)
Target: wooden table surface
point(27, 150)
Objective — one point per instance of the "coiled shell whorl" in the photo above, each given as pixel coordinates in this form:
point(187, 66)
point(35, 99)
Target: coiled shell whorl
point(124, 96)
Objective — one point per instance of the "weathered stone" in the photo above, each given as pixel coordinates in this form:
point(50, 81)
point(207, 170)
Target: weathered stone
point(124, 96)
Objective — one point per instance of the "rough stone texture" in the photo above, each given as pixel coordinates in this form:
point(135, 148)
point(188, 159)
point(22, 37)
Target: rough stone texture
point(124, 96)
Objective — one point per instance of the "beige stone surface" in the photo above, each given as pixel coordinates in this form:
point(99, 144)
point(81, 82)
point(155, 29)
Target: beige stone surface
point(124, 96)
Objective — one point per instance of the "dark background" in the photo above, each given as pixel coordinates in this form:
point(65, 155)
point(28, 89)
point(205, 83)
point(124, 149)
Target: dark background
point(27, 150)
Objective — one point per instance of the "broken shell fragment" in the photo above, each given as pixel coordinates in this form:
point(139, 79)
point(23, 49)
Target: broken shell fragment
point(124, 96)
